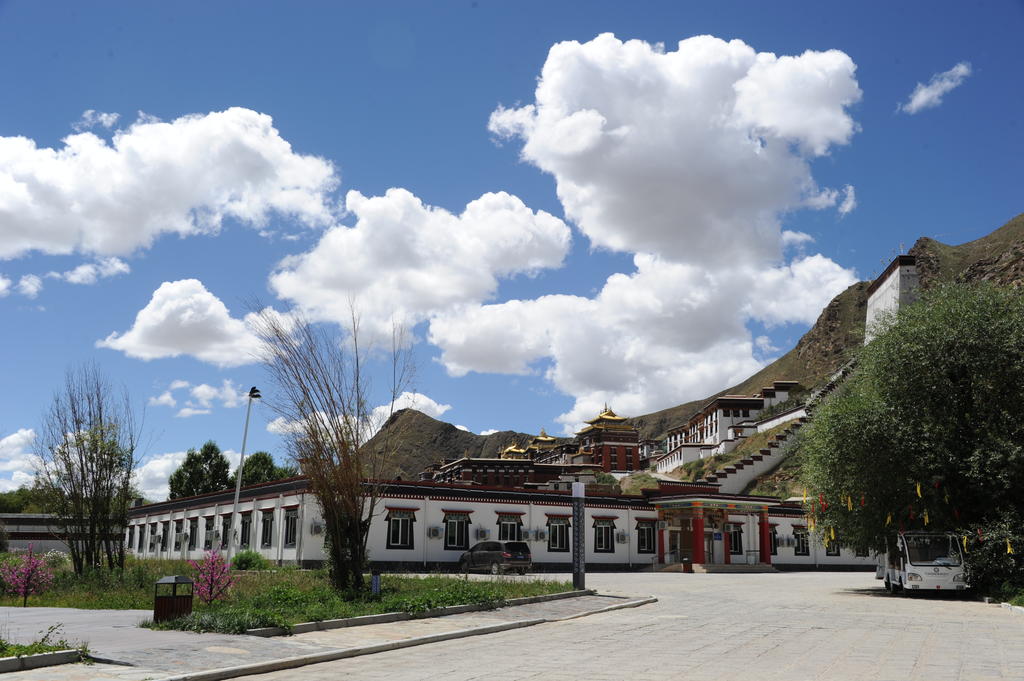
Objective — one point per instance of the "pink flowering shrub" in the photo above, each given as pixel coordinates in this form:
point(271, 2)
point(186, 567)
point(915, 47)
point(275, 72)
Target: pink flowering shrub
point(26, 575)
point(213, 577)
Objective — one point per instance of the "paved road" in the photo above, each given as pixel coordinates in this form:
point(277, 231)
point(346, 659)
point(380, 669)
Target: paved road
point(758, 627)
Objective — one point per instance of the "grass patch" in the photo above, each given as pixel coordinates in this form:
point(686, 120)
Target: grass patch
point(50, 642)
point(701, 468)
point(276, 599)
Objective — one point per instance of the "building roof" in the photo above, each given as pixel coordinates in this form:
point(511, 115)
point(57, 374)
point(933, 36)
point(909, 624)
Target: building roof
point(898, 261)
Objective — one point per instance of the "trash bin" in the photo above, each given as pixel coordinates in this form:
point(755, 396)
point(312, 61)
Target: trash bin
point(172, 598)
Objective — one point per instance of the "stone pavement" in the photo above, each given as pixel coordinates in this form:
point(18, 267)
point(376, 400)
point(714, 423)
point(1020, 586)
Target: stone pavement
point(158, 654)
point(757, 627)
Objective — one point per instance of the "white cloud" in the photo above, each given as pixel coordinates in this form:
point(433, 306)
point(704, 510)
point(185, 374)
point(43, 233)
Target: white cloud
point(489, 431)
point(5, 286)
point(184, 318)
point(764, 344)
point(930, 96)
point(462, 427)
point(164, 399)
point(377, 417)
point(178, 384)
point(188, 412)
point(30, 285)
point(228, 394)
point(407, 260)
point(154, 178)
point(16, 459)
point(690, 154)
point(90, 273)
point(91, 118)
point(849, 200)
point(152, 475)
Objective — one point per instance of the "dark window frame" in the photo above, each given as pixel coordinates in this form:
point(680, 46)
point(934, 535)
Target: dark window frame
point(291, 527)
point(801, 543)
point(558, 535)
point(399, 527)
point(456, 531)
point(266, 529)
point(645, 537)
point(604, 536)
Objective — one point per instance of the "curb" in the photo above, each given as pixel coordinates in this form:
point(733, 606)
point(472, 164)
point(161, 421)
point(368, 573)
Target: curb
point(332, 655)
point(1015, 609)
point(384, 618)
point(13, 664)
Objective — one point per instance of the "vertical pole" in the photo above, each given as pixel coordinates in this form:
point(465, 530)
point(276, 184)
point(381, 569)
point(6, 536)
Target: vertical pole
point(579, 557)
point(765, 539)
point(238, 479)
point(698, 536)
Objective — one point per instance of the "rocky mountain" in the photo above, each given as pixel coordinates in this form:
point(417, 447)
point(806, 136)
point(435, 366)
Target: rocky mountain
point(839, 330)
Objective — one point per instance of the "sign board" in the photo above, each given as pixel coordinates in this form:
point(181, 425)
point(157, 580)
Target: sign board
point(579, 533)
point(718, 536)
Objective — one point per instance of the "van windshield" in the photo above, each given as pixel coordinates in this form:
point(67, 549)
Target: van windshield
point(933, 549)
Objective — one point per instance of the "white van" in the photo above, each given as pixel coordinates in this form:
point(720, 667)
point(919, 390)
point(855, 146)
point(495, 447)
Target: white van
point(923, 561)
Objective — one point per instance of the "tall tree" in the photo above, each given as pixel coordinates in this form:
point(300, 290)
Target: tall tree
point(84, 467)
point(260, 467)
point(201, 472)
point(320, 389)
point(929, 430)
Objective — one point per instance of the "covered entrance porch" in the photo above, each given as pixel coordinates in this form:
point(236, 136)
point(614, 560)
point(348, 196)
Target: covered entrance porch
point(708, 533)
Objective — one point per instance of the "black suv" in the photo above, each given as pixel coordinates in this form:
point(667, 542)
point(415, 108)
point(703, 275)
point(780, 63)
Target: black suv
point(497, 557)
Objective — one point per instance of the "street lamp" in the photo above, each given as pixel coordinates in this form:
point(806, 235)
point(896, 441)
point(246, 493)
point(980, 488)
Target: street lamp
point(254, 394)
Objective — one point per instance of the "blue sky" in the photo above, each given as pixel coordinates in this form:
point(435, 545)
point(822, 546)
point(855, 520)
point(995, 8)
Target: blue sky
point(647, 226)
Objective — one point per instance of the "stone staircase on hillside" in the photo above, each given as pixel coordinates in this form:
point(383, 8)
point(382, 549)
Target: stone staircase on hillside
point(734, 478)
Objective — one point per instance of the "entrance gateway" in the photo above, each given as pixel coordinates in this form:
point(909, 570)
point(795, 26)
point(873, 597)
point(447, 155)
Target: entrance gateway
point(706, 531)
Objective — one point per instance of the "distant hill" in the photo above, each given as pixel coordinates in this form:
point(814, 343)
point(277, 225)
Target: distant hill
point(839, 330)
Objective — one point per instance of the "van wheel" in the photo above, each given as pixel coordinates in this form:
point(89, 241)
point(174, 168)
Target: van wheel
point(521, 571)
point(495, 569)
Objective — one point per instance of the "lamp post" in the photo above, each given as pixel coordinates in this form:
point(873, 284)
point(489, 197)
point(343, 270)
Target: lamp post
point(254, 394)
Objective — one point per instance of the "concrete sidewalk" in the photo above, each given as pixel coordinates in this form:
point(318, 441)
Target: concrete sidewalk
point(133, 654)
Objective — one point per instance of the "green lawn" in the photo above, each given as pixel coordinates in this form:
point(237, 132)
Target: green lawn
point(279, 597)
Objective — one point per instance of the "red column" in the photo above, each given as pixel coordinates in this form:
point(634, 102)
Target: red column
point(698, 537)
point(766, 539)
point(726, 543)
point(661, 546)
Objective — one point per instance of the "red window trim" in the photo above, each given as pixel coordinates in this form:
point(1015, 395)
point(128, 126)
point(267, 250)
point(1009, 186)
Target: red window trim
point(455, 510)
point(289, 507)
point(605, 517)
point(645, 520)
point(401, 508)
point(558, 515)
point(510, 512)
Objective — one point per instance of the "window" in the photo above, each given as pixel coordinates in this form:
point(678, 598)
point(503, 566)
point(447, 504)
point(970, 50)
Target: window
point(400, 529)
point(246, 537)
point(736, 539)
point(558, 534)
point(645, 536)
point(131, 536)
point(802, 547)
point(225, 530)
point(193, 533)
point(139, 539)
point(604, 541)
point(166, 529)
point(832, 549)
point(208, 533)
point(291, 526)
point(746, 412)
point(178, 526)
point(267, 529)
point(774, 536)
point(510, 527)
point(456, 531)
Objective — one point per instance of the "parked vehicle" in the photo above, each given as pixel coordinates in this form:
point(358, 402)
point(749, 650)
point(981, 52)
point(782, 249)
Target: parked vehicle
point(923, 561)
point(497, 557)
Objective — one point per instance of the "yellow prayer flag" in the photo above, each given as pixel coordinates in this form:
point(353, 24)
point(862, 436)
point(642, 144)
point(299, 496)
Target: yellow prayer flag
point(849, 503)
point(965, 543)
point(1009, 549)
point(832, 531)
point(918, 490)
point(888, 519)
point(926, 516)
point(946, 496)
point(805, 495)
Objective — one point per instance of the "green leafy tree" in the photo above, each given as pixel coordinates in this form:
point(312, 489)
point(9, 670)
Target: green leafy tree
point(260, 467)
point(201, 472)
point(928, 433)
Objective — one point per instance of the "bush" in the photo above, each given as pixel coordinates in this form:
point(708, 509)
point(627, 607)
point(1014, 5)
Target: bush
point(249, 560)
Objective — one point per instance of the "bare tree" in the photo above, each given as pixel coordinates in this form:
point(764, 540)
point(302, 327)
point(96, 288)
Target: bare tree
point(322, 393)
point(84, 467)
